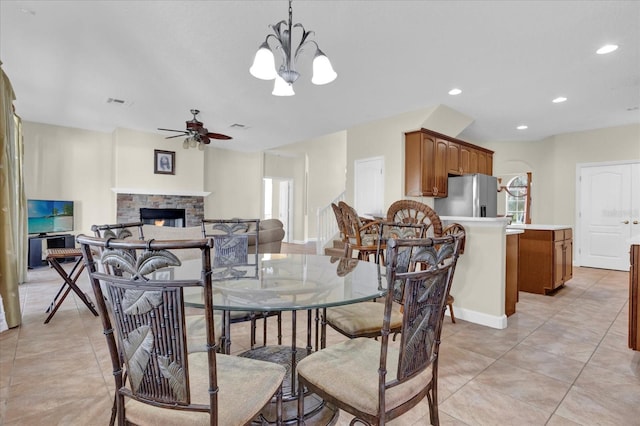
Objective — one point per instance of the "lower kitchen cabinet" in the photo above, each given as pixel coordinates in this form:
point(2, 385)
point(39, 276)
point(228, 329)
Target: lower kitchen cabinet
point(545, 261)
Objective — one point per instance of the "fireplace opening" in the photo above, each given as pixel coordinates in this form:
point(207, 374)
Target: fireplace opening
point(163, 217)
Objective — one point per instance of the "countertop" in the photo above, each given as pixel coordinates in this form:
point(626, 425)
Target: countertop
point(538, 227)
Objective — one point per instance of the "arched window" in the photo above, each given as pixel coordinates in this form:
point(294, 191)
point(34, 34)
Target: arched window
point(518, 200)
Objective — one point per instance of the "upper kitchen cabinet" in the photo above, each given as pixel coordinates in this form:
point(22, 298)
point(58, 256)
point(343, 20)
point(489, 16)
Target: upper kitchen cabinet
point(464, 159)
point(425, 158)
point(430, 158)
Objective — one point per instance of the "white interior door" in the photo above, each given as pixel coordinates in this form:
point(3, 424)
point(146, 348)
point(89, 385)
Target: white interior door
point(369, 186)
point(605, 216)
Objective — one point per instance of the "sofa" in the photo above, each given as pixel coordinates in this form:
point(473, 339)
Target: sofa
point(271, 234)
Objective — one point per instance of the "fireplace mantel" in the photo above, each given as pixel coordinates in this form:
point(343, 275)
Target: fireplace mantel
point(160, 192)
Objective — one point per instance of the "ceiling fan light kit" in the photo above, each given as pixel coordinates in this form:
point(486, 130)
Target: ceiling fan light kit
point(264, 66)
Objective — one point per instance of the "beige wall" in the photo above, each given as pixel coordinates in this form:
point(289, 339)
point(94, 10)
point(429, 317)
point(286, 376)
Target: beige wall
point(384, 138)
point(325, 167)
point(71, 164)
point(235, 182)
point(553, 162)
point(134, 163)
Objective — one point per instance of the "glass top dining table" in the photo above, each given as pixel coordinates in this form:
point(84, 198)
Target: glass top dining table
point(289, 282)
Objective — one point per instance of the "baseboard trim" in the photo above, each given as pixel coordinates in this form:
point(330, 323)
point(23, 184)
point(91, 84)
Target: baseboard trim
point(493, 321)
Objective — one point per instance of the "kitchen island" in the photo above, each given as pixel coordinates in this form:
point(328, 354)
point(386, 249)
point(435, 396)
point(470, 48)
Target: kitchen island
point(479, 282)
point(545, 258)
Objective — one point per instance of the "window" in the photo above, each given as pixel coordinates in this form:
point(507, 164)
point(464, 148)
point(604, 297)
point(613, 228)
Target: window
point(517, 199)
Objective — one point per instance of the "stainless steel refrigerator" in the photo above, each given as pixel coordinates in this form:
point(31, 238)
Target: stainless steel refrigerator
point(470, 195)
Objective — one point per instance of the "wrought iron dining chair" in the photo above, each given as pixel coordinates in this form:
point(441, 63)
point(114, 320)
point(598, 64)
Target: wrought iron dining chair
point(157, 380)
point(454, 228)
point(194, 319)
point(345, 374)
point(365, 319)
point(232, 259)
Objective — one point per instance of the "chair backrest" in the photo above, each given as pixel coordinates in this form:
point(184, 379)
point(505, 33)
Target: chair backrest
point(456, 228)
point(144, 306)
point(355, 226)
point(120, 231)
point(411, 211)
point(423, 291)
point(230, 240)
point(388, 230)
point(337, 211)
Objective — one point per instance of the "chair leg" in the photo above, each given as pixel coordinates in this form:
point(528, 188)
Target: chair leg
point(453, 317)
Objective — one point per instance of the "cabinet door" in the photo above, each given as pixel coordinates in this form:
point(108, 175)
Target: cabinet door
point(429, 185)
point(473, 161)
point(490, 164)
point(465, 158)
point(558, 263)
point(568, 260)
point(441, 177)
point(413, 164)
point(482, 162)
point(453, 159)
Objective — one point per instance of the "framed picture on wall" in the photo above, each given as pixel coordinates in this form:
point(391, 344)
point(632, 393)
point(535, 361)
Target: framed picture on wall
point(164, 162)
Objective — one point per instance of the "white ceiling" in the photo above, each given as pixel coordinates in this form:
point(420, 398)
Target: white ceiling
point(66, 58)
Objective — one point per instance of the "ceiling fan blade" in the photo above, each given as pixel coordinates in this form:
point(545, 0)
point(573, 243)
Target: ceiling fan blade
point(218, 136)
point(177, 136)
point(173, 130)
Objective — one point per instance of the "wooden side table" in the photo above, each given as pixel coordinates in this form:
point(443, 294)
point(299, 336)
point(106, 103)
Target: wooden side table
point(69, 279)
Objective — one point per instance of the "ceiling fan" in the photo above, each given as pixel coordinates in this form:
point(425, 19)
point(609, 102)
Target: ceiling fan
point(197, 134)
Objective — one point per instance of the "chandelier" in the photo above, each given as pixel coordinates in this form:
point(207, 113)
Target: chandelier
point(264, 63)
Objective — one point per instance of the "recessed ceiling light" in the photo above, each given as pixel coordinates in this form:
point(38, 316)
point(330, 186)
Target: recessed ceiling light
point(607, 48)
point(522, 127)
point(559, 99)
point(455, 91)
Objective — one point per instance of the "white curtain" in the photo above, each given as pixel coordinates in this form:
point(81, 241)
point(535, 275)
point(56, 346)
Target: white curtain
point(13, 222)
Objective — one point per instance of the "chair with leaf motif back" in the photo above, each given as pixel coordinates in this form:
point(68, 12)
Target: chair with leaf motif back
point(390, 379)
point(134, 230)
point(157, 380)
point(365, 319)
point(231, 239)
point(411, 211)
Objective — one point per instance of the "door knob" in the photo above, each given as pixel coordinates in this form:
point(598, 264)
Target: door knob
point(626, 222)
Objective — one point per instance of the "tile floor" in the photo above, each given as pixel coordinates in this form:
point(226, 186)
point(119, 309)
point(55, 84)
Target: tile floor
point(563, 360)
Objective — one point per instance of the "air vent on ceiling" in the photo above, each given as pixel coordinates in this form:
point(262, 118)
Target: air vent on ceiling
point(119, 102)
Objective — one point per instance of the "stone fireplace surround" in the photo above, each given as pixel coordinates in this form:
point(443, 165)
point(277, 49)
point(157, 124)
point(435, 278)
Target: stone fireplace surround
point(128, 206)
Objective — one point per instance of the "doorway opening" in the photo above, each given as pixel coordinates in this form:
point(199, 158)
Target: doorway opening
point(278, 202)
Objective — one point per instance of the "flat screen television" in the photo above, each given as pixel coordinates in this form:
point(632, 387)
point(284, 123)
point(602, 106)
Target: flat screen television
point(45, 216)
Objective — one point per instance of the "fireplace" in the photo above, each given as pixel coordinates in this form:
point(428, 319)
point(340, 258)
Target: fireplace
point(163, 217)
point(129, 206)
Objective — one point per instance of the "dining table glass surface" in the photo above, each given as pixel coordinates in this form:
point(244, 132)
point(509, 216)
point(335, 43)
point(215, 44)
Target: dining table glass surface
point(287, 282)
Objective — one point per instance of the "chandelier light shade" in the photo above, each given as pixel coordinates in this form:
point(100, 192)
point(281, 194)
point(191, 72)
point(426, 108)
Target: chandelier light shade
point(264, 66)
